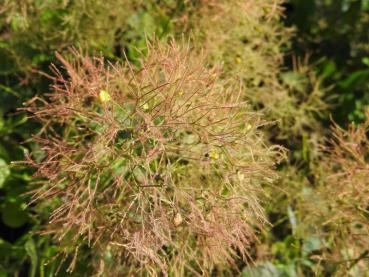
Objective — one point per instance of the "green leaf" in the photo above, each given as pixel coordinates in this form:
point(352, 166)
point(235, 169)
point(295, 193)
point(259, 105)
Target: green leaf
point(292, 218)
point(5, 248)
point(4, 172)
point(19, 22)
point(8, 63)
point(266, 270)
point(365, 61)
point(32, 253)
point(143, 23)
point(329, 69)
point(311, 244)
point(365, 5)
point(13, 215)
point(354, 79)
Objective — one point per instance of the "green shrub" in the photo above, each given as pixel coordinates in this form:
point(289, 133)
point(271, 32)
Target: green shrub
point(156, 163)
point(334, 33)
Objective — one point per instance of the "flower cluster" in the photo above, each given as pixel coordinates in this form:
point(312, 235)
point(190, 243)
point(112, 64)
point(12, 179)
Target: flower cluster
point(158, 167)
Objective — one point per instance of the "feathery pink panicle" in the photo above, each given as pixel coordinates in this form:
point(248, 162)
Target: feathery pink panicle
point(249, 37)
point(344, 189)
point(159, 167)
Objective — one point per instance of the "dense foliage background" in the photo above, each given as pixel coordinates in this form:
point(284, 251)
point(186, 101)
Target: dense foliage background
point(332, 34)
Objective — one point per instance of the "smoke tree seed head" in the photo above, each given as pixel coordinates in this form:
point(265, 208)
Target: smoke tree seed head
point(120, 170)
